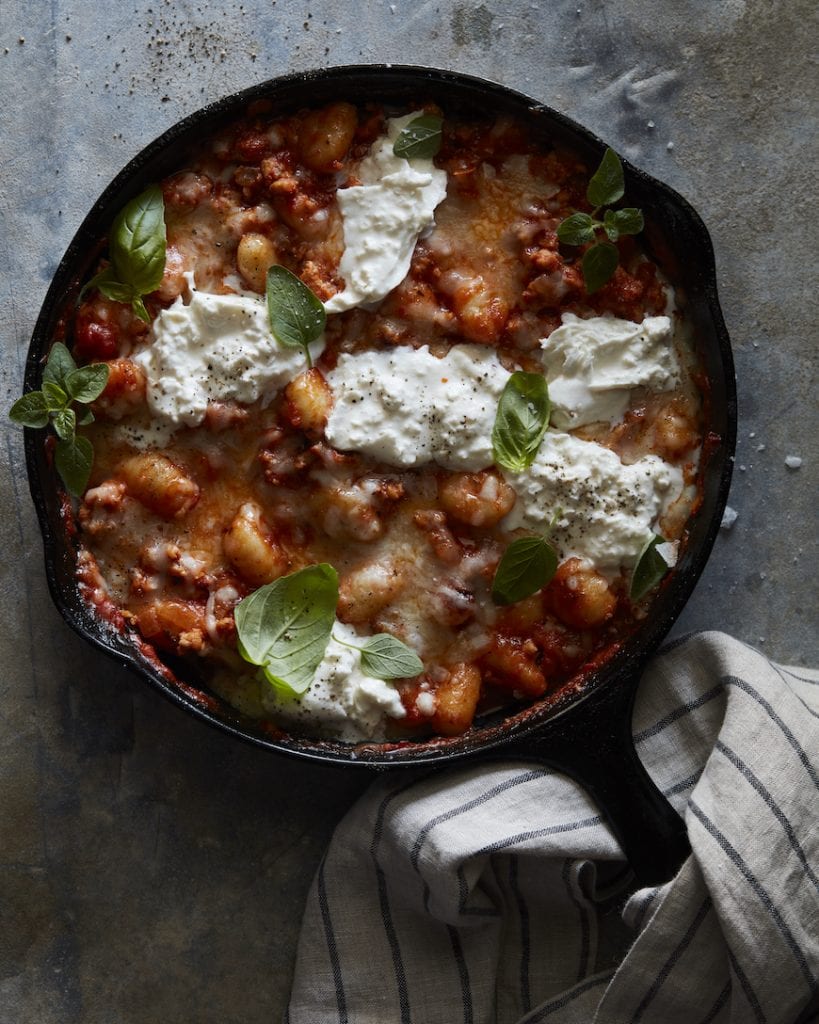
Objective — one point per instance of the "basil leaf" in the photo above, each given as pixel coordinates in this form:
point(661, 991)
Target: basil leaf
point(138, 241)
point(628, 221)
point(65, 424)
point(107, 284)
point(88, 417)
point(576, 230)
point(30, 410)
point(527, 565)
point(138, 306)
point(420, 138)
point(284, 626)
point(87, 382)
point(116, 292)
point(607, 184)
point(521, 420)
point(599, 264)
point(385, 657)
point(74, 458)
point(296, 315)
point(54, 396)
point(137, 245)
point(60, 364)
point(649, 570)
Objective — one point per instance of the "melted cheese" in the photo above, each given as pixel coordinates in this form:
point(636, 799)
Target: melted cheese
point(341, 700)
point(605, 509)
point(215, 347)
point(593, 365)
point(407, 408)
point(383, 218)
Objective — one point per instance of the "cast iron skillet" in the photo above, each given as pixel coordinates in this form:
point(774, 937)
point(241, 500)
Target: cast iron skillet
point(585, 731)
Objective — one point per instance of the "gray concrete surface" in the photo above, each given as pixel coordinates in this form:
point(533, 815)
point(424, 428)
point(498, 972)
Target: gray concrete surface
point(151, 869)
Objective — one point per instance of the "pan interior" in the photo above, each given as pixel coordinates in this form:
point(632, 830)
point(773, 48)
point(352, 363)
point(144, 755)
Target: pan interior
point(679, 243)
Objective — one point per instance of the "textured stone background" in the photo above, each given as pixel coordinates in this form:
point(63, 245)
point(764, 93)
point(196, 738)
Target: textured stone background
point(150, 869)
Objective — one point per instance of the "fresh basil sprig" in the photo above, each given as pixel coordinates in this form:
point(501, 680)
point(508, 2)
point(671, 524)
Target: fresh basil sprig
point(384, 656)
point(420, 138)
point(284, 626)
point(649, 570)
point(521, 420)
point(136, 248)
point(600, 260)
point(527, 565)
point(297, 316)
point(65, 383)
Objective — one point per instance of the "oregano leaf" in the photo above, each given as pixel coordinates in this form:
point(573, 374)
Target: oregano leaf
point(55, 397)
point(598, 265)
point(65, 424)
point(87, 383)
point(607, 184)
point(628, 221)
point(30, 410)
point(59, 364)
point(74, 458)
point(576, 230)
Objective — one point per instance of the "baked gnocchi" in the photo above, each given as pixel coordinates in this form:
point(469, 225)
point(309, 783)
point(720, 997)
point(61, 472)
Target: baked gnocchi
point(483, 446)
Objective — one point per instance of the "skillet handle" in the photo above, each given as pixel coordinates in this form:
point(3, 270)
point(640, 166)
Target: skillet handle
point(597, 750)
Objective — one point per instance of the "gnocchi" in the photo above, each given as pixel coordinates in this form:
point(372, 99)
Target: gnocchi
point(255, 255)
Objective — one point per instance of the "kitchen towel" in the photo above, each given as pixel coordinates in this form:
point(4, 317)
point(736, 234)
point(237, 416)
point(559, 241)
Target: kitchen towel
point(496, 893)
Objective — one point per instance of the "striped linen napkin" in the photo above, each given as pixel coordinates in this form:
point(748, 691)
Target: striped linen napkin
point(496, 893)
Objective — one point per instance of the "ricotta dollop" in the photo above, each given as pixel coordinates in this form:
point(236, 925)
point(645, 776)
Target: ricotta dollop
point(213, 348)
point(341, 700)
point(593, 365)
point(406, 407)
point(383, 218)
point(606, 508)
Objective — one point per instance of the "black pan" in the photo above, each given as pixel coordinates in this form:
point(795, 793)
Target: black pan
point(584, 730)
